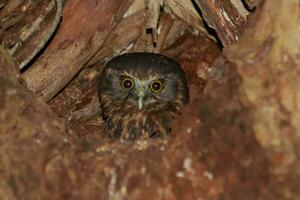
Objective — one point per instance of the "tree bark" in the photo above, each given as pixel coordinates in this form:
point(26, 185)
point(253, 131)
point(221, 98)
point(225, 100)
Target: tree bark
point(26, 27)
point(225, 18)
point(30, 136)
point(124, 34)
point(83, 31)
point(267, 58)
point(237, 139)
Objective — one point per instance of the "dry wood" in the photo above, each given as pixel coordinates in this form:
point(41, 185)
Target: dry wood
point(44, 37)
point(185, 11)
point(248, 117)
point(252, 3)
point(86, 112)
point(76, 41)
point(183, 43)
point(144, 43)
point(153, 13)
point(238, 4)
point(9, 6)
point(136, 6)
point(123, 35)
point(224, 17)
point(178, 29)
point(27, 14)
point(30, 136)
point(8, 69)
point(22, 36)
point(267, 58)
point(166, 22)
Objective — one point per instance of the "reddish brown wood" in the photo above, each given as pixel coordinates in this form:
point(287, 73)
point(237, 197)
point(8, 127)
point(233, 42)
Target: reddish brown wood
point(124, 34)
point(30, 136)
point(224, 18)
point(85, 26)
point(27, 27)
point(267, 59)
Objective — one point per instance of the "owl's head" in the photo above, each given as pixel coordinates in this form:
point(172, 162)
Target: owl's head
point(141, 81)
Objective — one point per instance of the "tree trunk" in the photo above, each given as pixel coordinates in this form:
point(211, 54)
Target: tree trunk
point(268, 59)
point(83, 31)
point(237, 139)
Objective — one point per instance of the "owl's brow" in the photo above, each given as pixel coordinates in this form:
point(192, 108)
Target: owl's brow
point(149, 77)
point(156, 76)
point(125, 73)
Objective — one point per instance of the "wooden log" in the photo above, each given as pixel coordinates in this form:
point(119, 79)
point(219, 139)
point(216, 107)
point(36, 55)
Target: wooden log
point(186, 11)
point(124, 34)
point(183, 43)
point(153, 13)
point(178, 29)
point(191, 164)
point(144, 42)
point(166, 22)
point(225, 18)
point(28, 27)
point(8, 6)
point(78, 39)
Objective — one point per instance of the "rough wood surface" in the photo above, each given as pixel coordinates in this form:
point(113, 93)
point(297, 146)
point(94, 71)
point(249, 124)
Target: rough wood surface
point(237, 139)
point(26, 26)
point(166, 23)
point(186, 11)
point(267, 58)
point(31, 135)
point(73, 45)
point(183, 43)
point(224, 17)
point(122, 37)
point(153, 13)
point(192, 163)
point(251, 4)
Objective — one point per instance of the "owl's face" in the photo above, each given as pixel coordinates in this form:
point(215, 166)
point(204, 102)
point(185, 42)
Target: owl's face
point(138, 85)
point(140, 91)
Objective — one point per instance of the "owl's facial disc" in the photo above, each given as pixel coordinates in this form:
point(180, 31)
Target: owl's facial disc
point(145, 91)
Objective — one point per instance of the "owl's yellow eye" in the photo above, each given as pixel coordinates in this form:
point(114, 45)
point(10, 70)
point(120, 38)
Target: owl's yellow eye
point(127, 83)
point(157, 86)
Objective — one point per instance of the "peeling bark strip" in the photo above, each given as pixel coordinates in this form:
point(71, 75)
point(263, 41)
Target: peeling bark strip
point(185, 11)
point(46, 36)
point(224, 17)
point(28, 26)
point(123, 35)
point(85, 26)
point(153, 8)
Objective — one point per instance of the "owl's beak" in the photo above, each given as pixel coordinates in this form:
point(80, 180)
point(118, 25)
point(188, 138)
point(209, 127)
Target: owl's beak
point(140, 102)
point(141, 97)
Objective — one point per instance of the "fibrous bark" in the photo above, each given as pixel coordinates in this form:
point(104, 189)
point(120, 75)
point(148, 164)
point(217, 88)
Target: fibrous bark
point(124, 34)
point(237, 139)
point(267, 58)
point(26, 26)
point(79, 37)
point(30, 136)
point(225, 18)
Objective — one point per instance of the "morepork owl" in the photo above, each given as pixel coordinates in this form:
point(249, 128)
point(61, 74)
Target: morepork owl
point(140, 94)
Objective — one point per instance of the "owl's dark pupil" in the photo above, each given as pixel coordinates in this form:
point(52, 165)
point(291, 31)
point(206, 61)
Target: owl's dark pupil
point(127, 83)
point(156, 86)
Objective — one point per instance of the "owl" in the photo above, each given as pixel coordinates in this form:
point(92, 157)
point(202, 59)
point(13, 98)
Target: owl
point(140, 94)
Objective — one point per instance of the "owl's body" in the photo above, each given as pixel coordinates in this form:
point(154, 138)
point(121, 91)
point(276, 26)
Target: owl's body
point(140, 95)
